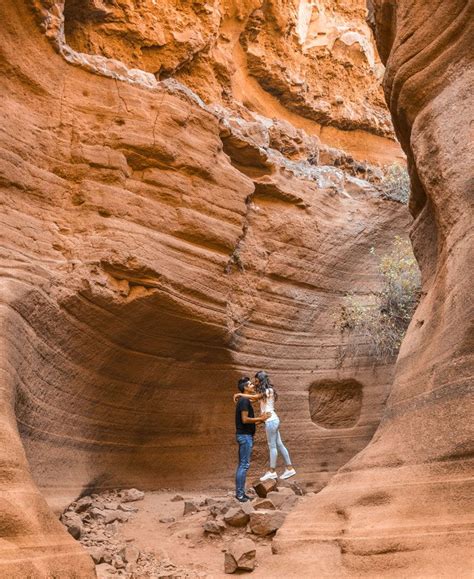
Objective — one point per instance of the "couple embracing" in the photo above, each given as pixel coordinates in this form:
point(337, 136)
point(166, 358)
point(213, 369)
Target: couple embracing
point(245, 423)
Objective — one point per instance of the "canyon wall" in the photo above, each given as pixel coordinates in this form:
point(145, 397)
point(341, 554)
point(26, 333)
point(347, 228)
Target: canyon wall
point(403, 506)
point(159, 239)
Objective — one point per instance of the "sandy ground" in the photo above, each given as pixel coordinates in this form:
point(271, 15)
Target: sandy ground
point(168, 544)
point(183, 542)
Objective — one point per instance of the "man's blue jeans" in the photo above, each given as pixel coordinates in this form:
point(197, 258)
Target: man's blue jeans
point(245, 442)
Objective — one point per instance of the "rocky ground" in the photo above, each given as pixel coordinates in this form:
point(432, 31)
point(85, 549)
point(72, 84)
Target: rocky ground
point(163, 534)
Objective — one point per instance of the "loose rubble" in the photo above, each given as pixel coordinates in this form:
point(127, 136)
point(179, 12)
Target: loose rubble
point(235, 528)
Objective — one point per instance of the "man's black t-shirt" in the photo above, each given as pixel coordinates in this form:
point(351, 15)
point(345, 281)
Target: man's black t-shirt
point(241, 428)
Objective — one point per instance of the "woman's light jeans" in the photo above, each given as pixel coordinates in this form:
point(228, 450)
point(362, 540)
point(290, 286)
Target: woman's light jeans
point(275, 444)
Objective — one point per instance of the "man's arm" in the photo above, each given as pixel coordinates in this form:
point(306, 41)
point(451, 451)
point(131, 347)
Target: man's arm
point(247, 420)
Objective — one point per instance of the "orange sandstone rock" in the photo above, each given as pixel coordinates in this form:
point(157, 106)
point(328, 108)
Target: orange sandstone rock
point(149, 258)
point(401, 507)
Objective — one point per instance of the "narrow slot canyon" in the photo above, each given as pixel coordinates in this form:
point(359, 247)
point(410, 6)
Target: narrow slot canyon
point(192, 192)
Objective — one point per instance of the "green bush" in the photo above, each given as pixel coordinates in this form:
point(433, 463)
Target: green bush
point(396, 184)
point(383, 317)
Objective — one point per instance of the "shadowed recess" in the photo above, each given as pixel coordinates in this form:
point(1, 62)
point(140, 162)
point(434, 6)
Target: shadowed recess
point(335, 403)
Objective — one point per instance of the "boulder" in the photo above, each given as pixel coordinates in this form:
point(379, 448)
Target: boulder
point(240, 556)
point(265, 523)
point(263, 488)
point(236, 517)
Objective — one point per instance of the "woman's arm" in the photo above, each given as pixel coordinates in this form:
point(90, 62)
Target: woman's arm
point(251, 397)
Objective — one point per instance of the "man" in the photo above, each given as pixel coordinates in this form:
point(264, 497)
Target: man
point(245, 422)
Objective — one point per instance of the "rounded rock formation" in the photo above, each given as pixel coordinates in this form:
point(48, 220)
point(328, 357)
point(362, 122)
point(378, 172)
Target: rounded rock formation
point(401, 507)
point(154, 248)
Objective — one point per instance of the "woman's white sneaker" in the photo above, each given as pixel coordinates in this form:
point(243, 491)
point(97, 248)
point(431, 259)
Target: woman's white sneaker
point(288, 473)
point(269, 475)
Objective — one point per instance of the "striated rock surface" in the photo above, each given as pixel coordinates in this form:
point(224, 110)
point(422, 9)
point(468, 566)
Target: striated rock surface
point(155, 247)
point(403, 506)
point(312, 63)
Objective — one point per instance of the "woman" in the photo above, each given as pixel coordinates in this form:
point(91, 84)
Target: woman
point(267, 395)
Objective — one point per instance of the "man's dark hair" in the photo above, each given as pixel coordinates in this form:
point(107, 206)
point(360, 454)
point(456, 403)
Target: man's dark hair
point(242, 383)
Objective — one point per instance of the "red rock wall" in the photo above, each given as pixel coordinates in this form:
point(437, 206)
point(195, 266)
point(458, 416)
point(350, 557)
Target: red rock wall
point(153, 251)
point(316, 58)
point(401, 507)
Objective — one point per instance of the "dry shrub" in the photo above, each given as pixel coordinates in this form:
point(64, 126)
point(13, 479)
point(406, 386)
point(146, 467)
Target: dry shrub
point(396, 184)
point(383, 317)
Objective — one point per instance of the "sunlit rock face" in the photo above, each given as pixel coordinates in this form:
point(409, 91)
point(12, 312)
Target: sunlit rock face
point(401, 507)
point(155, 247)
point(315, 57)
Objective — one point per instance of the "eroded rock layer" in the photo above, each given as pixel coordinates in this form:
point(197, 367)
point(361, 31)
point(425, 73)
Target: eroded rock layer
point(154, 248)
point(402, 507)
point(311, 63)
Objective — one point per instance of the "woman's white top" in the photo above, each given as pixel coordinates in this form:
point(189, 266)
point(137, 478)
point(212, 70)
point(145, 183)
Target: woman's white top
point(267, 404)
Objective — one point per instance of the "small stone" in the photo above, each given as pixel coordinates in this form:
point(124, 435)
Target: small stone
point(167, 520)
point(98, 536)
point(297, 489)
point(264, 504)
point(97, 554)
point(190, 507)
point(104, 570)
point(131, 495)
point(128, 508)
point(111, 516)
point(130, 554)
point(247, 507)
point(118, 562)
point(108, 556)
point(83, 504)
point(213, 527)
point(283, 500)
point(177, 498)
point(73, 523)
point(112, 506)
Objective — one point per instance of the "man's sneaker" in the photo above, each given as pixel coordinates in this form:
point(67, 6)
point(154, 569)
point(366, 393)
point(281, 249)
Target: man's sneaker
point(269, 475)
point(243, 499)
point(288, 473)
